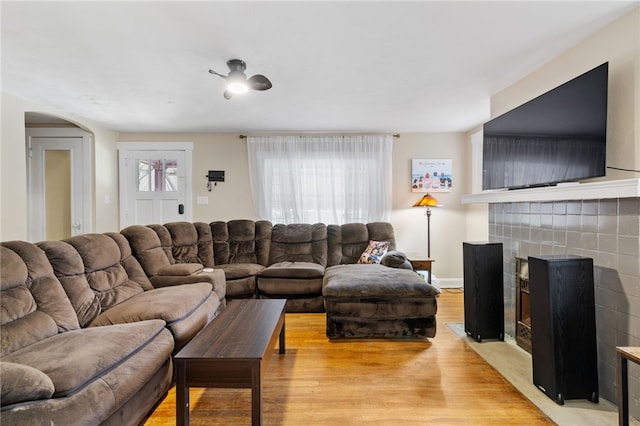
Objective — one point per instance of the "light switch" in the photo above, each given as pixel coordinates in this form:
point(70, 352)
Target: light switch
point(202, 200)
point(107, 200)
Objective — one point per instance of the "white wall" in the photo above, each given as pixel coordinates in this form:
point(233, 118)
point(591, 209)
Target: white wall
point(448, 223)
point(619, 44)
point(13, 175)
point(13, 170)
point(228, 200)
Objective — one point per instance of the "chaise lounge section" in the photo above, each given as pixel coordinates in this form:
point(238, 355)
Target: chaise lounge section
point(374, 300)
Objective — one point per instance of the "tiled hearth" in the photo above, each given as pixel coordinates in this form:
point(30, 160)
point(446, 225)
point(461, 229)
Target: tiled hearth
point(607, 230)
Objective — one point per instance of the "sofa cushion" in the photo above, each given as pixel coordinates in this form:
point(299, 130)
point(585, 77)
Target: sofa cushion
point(33, 304)
point(184, 241)
point(69, 270)
point(20, 383)
point(374, 281)
point(299, 242)
point(106, 275)
point(347, 242)
point(132, 267)
point(235, 271)
point(100, 263)
point(293, 270)
point(191, 242)
point(241, 241)
point(73, 359)
point(170, 304)
point(147, 248)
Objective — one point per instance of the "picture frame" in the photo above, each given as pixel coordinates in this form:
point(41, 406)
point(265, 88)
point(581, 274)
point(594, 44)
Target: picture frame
point(431, 175)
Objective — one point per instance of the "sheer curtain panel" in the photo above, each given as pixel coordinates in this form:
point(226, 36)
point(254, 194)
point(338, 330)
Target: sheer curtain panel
point(327, 179)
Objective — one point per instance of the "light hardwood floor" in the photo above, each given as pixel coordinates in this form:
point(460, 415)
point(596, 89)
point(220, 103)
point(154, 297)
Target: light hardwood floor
point(377, 382)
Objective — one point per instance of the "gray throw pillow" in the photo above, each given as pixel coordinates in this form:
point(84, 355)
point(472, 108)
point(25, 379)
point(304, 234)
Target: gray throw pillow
point(21, 383)
point(396, 259)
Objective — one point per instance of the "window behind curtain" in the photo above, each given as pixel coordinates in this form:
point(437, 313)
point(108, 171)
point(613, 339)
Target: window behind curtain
point(328, 179)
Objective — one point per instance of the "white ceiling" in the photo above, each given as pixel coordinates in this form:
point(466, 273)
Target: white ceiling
point(347, 66)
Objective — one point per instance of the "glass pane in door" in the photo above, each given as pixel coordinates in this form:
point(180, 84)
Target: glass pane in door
point(157, 175)
point(57, 187)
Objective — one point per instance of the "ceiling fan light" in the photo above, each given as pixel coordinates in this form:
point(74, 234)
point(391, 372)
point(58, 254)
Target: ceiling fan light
point(237, 87)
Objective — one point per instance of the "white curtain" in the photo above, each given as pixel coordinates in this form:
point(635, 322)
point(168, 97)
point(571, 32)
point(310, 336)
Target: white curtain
point(327, 179)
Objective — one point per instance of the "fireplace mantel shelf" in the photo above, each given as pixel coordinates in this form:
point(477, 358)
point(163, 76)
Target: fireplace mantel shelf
point(570, 191)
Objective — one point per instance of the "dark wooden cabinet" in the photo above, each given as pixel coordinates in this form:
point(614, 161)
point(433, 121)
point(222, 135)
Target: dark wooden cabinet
point(483, 290)
point(563, 327)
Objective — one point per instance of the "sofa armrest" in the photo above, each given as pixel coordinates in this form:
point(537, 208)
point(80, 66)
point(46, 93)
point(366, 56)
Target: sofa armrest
point(180, 269)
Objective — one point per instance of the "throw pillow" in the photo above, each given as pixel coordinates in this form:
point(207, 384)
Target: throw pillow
point(374, 252)
point(22, 383)
point(396, 259)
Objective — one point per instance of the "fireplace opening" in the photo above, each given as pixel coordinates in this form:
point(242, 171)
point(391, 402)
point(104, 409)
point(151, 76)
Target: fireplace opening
point(523, 306)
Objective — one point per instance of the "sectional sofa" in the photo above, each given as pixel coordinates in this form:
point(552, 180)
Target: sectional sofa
point(89, 324)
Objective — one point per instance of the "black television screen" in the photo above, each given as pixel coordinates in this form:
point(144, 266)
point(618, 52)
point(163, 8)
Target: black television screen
point(560, 136)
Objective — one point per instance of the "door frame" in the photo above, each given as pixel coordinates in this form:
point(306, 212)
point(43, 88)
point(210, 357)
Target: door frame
point(186, 147)
point(80, 178)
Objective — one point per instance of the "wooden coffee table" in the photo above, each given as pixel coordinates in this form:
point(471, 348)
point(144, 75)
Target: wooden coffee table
point(232, 351)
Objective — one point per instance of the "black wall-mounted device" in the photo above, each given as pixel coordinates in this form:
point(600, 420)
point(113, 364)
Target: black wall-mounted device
point(215, 176)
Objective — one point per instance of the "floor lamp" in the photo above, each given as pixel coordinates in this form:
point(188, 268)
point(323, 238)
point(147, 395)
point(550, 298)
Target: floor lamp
point(427, 201)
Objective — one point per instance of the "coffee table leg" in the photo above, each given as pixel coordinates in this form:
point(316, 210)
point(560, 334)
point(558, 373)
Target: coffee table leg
point(256, 397)
point(282, 347)
point(622, 383)
point(182, 394)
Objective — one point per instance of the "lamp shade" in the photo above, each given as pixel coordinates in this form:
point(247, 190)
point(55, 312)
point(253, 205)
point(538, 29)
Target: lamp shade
point(426, 201)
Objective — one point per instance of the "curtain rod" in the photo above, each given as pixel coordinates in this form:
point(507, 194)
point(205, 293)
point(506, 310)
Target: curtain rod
point(395, 135)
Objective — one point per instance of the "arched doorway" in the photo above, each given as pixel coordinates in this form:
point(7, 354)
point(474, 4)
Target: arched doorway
point(58, 177)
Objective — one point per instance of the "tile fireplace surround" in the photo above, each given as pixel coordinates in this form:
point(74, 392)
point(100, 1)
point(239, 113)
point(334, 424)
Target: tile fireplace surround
point(599, 220)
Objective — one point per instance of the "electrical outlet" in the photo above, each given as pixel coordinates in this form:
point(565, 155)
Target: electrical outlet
point(202, 200)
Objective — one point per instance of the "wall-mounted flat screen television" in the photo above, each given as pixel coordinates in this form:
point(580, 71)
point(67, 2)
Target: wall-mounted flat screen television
point(560, 136)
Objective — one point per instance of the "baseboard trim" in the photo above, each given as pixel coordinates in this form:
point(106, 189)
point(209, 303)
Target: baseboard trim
point(449, 282)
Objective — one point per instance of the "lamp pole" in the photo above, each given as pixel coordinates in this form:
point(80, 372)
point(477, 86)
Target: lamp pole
point(427, 201)
point(428, 232)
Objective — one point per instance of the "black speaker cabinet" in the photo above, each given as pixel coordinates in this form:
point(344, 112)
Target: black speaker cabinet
point(563, 327)
point(483, 290)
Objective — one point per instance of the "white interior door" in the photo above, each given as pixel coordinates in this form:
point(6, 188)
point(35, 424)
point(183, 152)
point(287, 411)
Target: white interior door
point(155, 184)
point(58, 183)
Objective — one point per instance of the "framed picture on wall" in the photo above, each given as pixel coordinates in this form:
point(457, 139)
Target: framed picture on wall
point(431, 175)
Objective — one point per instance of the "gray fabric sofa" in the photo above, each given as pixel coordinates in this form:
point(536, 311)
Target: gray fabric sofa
point(86, 338)
point(314, 266)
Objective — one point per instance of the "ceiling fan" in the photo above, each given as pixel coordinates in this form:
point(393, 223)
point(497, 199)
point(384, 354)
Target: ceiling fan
point(237, 81)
